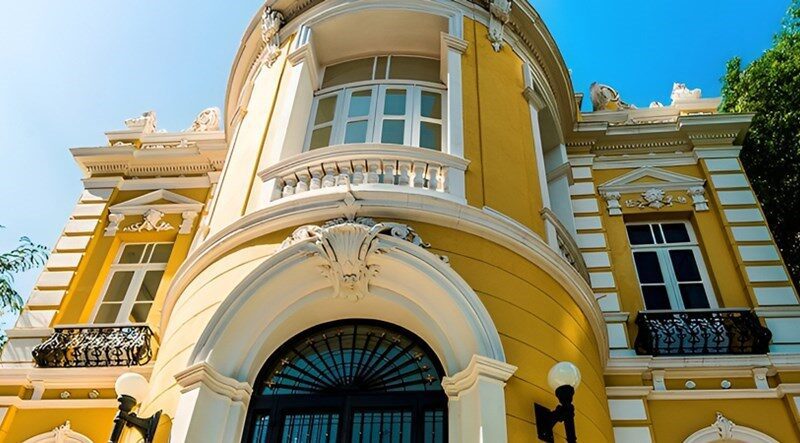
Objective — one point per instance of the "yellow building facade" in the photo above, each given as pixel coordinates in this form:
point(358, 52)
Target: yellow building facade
point(398, 225)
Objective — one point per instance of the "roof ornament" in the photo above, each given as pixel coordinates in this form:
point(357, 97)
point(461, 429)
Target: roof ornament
point(271, 22)
point(724, 427)
point(146, 123)
point(606, 98)
point(207, 120)
point(680, 93)
point(500, 11)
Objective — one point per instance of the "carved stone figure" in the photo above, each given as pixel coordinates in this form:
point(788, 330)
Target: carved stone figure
point(207, 120)
point(346, 247)
point(681, 93)
point(606, 98)
point(724, 427)
point(146, 123)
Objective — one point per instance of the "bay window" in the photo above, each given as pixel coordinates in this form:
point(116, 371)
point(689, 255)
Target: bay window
point(669, 266)
point(387, 99)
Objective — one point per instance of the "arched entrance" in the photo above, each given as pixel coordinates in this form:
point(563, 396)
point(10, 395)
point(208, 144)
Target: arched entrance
point(352, 380)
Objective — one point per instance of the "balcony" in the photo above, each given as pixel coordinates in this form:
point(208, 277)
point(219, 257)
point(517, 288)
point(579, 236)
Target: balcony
point(95, 346)
point(365, 167)
point(701, 332)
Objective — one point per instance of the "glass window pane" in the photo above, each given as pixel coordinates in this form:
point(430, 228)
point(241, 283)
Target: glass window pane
point(380, 68)
point(326, 108)
point(139, 312)
point(107, 313)
point(320, 138)
point(657, 234)
point(356, 132)
point(655, 297)
point(118, 286)
point(161, 253)
point(694, 296)
point(381, 426)
point(414, 68)
point(685, 265)
point(360, 103)
point(430, 135)
point(313, 427)
point(431, 105)
point(147, 292)
point(393, 131)
point(348, 72)
point(647, 267)
point(640, 234)
point(131, 254)
point(395, 103)
point(675, 232)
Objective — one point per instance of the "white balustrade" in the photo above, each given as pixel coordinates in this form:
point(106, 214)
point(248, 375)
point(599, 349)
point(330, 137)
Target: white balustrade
point(378, 166)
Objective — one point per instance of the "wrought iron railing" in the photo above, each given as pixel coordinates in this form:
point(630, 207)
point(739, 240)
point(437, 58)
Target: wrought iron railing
point(701, 332)
point(93, 346)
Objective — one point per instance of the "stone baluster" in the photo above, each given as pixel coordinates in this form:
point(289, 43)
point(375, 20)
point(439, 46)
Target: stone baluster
point(344, 173)
point(289, 185)
point(359, 177)
point(445, 183)
point(433, 177)
point(419, 174)
point(330, 175)
point(404, 173)
point(277, 191)
point(389, 170)
point(373, 170)
point(303, 179)
point(316, 177)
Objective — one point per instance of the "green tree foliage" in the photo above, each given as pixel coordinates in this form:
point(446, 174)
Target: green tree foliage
point(770, 88)
point(26, 255)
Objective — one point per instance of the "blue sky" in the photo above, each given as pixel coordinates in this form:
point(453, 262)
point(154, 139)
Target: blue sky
point(71, 70)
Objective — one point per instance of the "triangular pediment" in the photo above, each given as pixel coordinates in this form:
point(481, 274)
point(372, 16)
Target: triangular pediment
point(162, 200)
point(639, 180)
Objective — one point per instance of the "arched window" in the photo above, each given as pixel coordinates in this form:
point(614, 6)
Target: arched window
point(386, 99)
point(353, 381)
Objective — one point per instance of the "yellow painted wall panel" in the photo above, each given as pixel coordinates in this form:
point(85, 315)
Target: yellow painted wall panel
point(93, 423)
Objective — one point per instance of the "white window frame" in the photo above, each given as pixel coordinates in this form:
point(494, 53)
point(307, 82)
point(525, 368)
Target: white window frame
point(139, 271)
point(667, 270)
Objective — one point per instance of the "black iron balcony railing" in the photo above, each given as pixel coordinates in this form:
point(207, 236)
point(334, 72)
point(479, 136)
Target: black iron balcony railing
point(93, 346)
point(701, 332)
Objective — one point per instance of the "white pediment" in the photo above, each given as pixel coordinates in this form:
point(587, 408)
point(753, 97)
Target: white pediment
point(648, 177)
point(161, 200)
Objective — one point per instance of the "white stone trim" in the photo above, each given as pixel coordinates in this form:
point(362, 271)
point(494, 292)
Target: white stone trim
point(61, 434)
point(586, 241)
point(608, 301)
point(632, 434)
point(743, 215)
point(602, 280)
point(723, 164)
point(728, 198)
point(775, 296)
point(627, 409)
point(758, 274)
point(722, 181)
point(750, 233)
point(617, 336)
point(588, 223)
point(72, 243)
point(759, 253)
point(203, 373)
point(666, 180)
point(725, 430)
point(596, 259)
point(585, 206)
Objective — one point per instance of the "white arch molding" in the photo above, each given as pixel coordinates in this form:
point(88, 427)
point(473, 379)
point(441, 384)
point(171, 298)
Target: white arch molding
point(61, 434)
point(724, 430)
point(287, 294)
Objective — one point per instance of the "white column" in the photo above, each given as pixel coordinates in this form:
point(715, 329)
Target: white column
point(477, 407)
point(559, 178)
point(452, 49)
point(212, 407)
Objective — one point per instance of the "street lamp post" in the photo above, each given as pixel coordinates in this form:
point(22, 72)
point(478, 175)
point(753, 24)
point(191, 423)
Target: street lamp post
point(563, 378)
point(132, 387)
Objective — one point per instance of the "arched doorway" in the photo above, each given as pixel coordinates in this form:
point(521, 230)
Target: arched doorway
point(349, 381)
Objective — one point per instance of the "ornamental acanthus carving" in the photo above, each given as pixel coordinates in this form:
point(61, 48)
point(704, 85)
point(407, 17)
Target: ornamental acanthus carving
point(146, 123)
point(499, 14)
point(606, 98)
point(346, 247)
point(654, 198)
point(724, 427)
point(271, 22)
point(207, 120)
point(151, 221)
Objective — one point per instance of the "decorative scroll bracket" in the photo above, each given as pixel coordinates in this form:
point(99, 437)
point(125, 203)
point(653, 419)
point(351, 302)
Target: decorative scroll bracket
point(499, 14)
point(271, 22)
point(346, 247)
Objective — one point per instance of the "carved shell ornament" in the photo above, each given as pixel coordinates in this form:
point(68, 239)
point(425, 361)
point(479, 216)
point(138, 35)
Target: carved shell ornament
point(654, 198)
point(151, 221)
point(346, 247)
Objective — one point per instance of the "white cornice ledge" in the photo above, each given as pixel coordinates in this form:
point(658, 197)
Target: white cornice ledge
point(479, 367)
point(201, 373)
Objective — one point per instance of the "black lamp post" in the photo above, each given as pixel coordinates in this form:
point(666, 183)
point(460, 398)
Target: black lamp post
point(563, 378)
point(129, 387)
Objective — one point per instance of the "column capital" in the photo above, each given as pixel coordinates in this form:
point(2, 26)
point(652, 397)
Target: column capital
point(479, 367)
point(454, 43)
point(203, 374)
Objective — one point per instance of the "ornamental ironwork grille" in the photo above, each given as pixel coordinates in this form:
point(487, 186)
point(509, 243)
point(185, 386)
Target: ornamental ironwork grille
point(354, 381)
point(701, 332)
point(95, 346)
